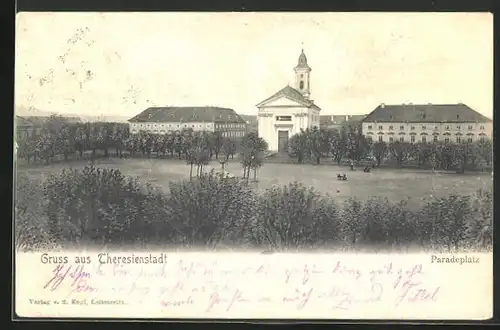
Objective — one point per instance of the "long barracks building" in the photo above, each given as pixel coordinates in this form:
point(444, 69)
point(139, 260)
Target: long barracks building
point(426, 123)
point(162, 120)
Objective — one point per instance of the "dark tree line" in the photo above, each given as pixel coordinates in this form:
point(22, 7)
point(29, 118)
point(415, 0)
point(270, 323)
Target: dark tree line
point(104, 208)
point(349, 143)
point(57, 138)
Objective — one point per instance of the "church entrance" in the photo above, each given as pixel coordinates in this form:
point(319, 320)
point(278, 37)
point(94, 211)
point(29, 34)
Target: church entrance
point(282, 141)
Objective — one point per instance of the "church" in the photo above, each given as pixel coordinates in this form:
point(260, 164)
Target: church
point(288, 111)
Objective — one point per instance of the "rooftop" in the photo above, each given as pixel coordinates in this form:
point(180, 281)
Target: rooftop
point(302, 63)
point(188, 114)
point(431, 113)
point(339, 119)
point(23, 122)
point(292, 94)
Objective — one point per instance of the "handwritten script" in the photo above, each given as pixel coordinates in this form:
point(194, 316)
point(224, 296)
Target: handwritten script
point(199, 285)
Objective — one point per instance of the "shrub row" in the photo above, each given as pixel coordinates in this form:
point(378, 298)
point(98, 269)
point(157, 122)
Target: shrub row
point(104, 208)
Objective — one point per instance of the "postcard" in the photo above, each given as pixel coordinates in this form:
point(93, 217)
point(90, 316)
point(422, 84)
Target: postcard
point(253, 165)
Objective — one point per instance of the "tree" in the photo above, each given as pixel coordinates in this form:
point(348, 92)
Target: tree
point(356, 145)
point(191, 159)
point(318, 143)
point(450, 217)
point(207, 211)
point(218, 143)
point(380, 151)
point(294, 216)
point(64, 142)
point(252, 147)
point(400, 151)
point(460, 156)
point(227, 149)
point(422, 153)
point(45, 146)
point(337, 146)
point(299, 146)
point(485, 148)
point(202, 152)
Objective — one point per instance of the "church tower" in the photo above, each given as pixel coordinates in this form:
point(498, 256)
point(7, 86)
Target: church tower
point(302, 76)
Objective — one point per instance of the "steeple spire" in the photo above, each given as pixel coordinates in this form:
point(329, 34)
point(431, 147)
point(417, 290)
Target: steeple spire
point(302, 74)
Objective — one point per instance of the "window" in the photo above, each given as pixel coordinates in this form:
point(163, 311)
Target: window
point(458, 126)
point(447, 127)
point(469, 140)
point(391, 139)
point(380, 138)
point(435, 138)
point(481, 138)
point(424, 127)
point(436, 127)
point(380, 127)
point(402, 128)
point(469, 127)
point(391, 127)
point(370, 140)
point(481, 127)
point(424, 139)
point(177, 125)
point(413, 128)
point(412, 138)
point(192, 125)
point(301, 76)
point(446, 140)
point(402, 139)
point(283, 118)
point(459, 139)
point(369, 126)
point(301, 85)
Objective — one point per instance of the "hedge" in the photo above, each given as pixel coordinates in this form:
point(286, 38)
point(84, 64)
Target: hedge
point(103, 208)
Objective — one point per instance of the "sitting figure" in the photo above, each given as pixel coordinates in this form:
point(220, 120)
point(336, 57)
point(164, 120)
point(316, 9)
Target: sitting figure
point(344, 177)
point(339, 177)
point(367, 169)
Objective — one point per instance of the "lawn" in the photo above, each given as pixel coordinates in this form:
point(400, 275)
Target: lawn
point(394, 184)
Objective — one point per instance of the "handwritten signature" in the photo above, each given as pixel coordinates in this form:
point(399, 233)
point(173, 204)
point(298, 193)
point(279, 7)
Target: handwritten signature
point(76, 276)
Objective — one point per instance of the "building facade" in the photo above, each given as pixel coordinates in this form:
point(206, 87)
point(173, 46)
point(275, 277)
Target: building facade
point(163, 120)
point(23, 127)
point(288, 111)
point(252, 123)
point(426, 123)
point(336, 121)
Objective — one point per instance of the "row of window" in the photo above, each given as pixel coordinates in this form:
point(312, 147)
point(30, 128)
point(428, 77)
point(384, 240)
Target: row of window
point(447, 127)
point(424, 139)
point(225, 134)
point(233, 134)
point(229, 126)
point(149, 126)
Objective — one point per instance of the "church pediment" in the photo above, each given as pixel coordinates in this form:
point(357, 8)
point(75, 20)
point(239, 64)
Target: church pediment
point(282, 102)
point(286, 95)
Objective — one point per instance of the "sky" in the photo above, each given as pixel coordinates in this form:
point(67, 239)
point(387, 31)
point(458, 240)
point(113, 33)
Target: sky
point(119, 64)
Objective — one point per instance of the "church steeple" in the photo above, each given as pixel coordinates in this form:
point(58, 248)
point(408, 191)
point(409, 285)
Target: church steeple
point(302, 74)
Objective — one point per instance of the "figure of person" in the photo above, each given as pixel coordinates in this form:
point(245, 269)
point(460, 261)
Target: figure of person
point(351, 164)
